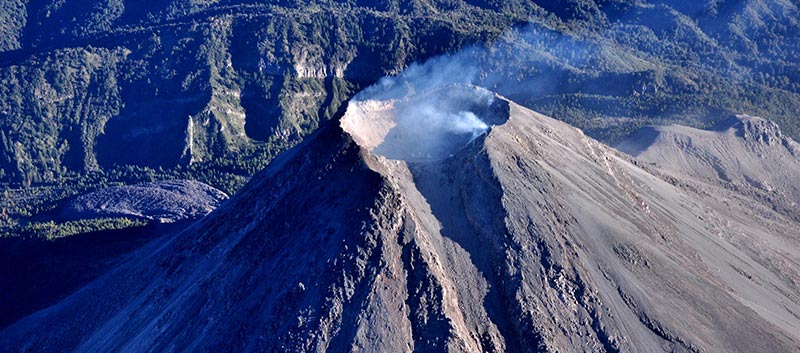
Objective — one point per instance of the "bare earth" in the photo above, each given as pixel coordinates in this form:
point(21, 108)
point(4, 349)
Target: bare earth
point(163, 201)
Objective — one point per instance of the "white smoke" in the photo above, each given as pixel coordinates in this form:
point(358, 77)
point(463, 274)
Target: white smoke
point(436, 124)
point(467, 122)
point(532, 60)
point(570, 74)
point(443, 118)
point(437, 108)
point(423, 126)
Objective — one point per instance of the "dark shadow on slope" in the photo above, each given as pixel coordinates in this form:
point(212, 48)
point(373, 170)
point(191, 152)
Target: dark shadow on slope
point(37, 273)
point(468, 206)
point(639, 141)
point(261, 84)
point(261, 108)
point(430, 328)
point(465, 198)
point(151, 134)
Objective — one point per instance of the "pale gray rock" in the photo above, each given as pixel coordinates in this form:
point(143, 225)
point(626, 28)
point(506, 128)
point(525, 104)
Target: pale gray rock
point(743, 153)
point(162, 201)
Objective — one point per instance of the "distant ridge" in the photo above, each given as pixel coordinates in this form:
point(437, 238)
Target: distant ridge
point(744, 153)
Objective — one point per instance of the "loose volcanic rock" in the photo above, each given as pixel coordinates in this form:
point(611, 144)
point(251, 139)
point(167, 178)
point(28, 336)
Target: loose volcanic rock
point(163, 201)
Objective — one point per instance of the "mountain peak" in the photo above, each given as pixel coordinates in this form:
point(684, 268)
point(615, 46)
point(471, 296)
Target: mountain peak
point(427, 126)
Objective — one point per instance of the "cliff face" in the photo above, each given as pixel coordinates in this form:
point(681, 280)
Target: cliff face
point(158, 84)
point(228, 84)
point(525, 236)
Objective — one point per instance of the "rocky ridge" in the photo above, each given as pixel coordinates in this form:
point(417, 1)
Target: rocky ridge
point(743, 153)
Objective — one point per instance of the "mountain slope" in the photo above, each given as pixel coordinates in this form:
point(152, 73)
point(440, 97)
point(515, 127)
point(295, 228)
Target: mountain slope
point(743, 153)
point(521, 234)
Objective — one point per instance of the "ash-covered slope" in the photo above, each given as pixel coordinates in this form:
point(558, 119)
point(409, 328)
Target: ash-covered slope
point(743, 153)
point(164, 201)
point(514, 233)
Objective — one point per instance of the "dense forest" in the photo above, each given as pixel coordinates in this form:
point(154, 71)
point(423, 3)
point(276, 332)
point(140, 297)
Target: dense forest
point(120, 92)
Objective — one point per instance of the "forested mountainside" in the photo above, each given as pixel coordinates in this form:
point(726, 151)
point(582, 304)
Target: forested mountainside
point(128, 91)
point(160, 84)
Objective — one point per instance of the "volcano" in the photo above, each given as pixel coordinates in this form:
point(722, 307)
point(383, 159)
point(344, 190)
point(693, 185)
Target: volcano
point(452, 220)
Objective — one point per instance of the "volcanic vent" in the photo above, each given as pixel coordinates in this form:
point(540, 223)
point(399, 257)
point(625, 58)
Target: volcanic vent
point(427, 126)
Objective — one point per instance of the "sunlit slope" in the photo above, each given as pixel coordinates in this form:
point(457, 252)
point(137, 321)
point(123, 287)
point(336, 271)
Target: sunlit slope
point(742, 153)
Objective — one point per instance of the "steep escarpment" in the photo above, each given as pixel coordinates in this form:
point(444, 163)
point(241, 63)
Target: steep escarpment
point(522, 235)
point(168, 83)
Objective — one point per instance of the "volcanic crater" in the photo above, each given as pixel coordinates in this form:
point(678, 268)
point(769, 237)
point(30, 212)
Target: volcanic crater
point(426, 126)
